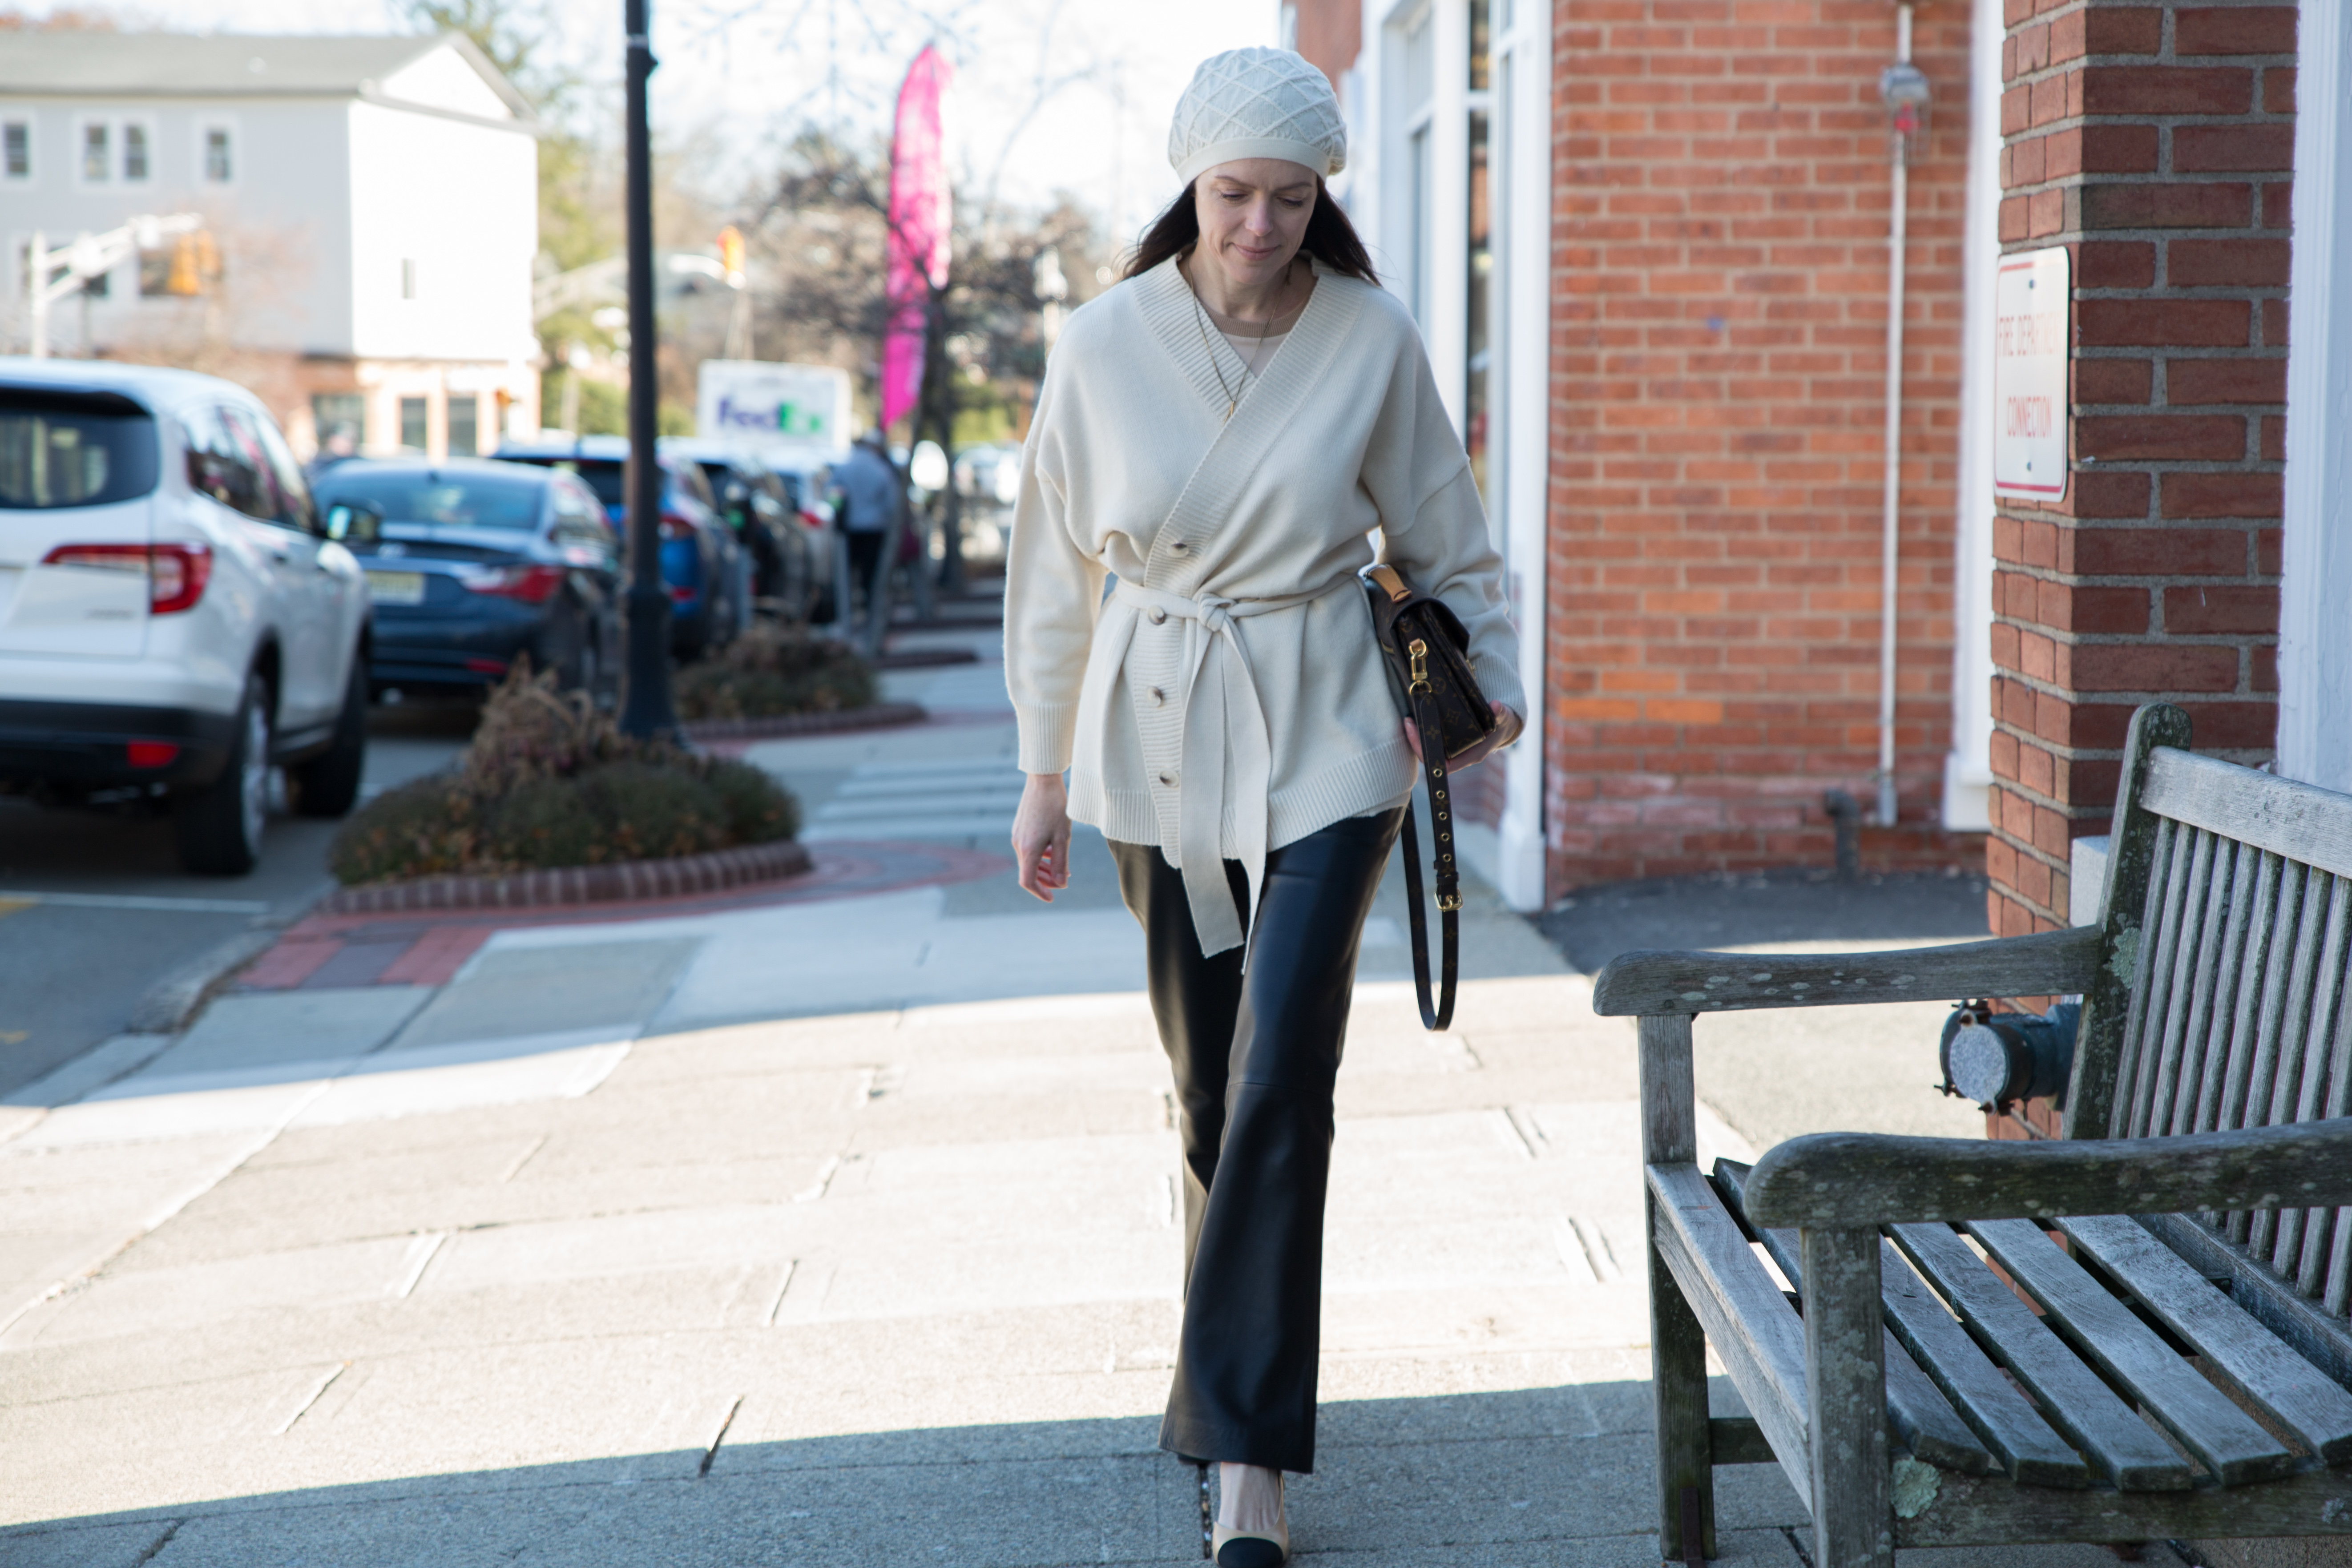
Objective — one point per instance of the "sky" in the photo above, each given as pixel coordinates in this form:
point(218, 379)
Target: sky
point(1050, 95)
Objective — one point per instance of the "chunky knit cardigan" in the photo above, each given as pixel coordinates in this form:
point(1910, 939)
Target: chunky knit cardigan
point(1226, 697)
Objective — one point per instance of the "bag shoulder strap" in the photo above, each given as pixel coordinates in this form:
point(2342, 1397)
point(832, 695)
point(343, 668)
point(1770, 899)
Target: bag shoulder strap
point(1442, 866)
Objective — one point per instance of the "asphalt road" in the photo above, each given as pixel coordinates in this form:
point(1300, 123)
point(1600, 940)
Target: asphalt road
point(95, 910)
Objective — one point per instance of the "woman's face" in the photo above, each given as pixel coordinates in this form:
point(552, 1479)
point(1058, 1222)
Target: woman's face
point(1254, 214)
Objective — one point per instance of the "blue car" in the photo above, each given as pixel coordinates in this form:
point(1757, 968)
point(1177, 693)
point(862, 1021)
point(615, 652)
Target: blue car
point(473, 564)
point(703, 564)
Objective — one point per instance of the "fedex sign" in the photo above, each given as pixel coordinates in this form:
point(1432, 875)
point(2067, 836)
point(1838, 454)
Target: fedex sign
point(780, 408)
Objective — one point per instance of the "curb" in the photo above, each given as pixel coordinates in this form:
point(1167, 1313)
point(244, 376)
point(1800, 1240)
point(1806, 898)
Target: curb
point(924, 658)
point(877, 716)
point(685, 875)
point(173, 1002)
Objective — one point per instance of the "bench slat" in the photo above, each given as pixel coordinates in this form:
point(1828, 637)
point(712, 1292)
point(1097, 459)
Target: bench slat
point(2203, 1418)
point(2301, 1245)
point(2299, 821)
point(2225, 1104)
point(2159, 946)
point(1927, 1340)
point(2207, 1050)
point(2188, 1025)
point(2295, 1029)
point(1966, 1511)
point(2325, 1342)
point(2286, 931)
point(1754, 1329)
point(2046, 963)
point(2249, 1356)
point(2072, 1397)
point(1915, 1408)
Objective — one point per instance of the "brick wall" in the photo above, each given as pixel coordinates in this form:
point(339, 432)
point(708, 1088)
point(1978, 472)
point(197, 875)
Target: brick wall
point(1330, 36)
point(2154, 141)
point(1721, 208)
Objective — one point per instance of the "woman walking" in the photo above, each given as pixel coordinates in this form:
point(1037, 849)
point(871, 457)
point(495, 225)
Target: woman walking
point(1222, 432)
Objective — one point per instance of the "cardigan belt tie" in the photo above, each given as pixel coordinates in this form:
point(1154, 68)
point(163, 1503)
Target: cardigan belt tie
point(1217, 676)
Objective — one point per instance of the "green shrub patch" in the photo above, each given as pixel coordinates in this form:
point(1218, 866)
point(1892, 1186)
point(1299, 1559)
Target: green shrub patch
point(550, 782)
point(774, 669)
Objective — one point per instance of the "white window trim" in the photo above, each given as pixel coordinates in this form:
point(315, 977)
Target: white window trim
point(205, 126)
point(32, 174)
point(79, 150)
point(123, 124)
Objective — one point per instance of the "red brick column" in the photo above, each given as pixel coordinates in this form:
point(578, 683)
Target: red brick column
point(2154, 141)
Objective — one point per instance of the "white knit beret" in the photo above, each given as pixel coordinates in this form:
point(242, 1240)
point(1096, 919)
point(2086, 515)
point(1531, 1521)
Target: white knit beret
point(1257, 103)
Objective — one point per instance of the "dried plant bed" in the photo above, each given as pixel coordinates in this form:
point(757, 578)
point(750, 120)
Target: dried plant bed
point(551, 785)
point(682, 876)
point(874, 716)
point(772, 671)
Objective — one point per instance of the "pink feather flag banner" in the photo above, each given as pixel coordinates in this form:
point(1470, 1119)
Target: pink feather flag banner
point(920, 213)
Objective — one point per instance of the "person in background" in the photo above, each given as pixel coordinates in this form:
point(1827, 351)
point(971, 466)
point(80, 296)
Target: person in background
point(340, 444)
point(871, 493)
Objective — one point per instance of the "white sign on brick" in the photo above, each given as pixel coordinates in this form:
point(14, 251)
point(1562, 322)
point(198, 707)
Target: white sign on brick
point(2029, 375)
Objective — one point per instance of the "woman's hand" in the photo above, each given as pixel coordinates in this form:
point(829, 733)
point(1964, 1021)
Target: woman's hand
point(1041, 836)
point(1506, 729)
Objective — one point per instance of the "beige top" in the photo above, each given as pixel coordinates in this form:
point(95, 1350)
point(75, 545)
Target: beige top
point(1226, 697)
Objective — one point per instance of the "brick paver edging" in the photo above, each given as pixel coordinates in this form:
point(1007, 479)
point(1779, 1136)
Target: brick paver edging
point(877, 716)
point(681, 876)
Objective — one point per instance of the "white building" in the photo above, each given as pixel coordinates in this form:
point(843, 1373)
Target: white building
point(371, 215)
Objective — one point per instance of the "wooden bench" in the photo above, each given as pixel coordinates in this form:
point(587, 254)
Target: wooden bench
point(2187, 1375)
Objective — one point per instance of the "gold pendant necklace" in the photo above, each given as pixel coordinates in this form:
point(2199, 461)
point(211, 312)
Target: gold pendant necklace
point(1201, 319)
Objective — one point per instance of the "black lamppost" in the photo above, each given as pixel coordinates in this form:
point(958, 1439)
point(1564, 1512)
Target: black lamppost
point(648, 712)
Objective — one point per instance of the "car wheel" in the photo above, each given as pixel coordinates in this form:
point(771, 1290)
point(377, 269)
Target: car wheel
point(329, 784)
point(219, 826)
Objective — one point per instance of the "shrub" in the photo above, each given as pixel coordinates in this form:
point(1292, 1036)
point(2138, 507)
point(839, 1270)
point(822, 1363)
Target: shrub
point(550, 782)
point(773, 669)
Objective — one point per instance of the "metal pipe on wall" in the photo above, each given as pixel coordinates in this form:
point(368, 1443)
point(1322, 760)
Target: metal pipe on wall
point(1894, 86)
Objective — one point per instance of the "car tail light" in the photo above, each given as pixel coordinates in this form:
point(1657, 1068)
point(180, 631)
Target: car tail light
point(487, 666)
point(810, 520)
point(532, 585)
point(176, 574)
point(152, 754)
point(676, 525)
point(680, 595)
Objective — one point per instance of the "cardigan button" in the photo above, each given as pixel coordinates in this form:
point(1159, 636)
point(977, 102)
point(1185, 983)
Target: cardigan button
point(1179, 547)
point(1167, 779)
point(1158, 696)
point(1159, 616)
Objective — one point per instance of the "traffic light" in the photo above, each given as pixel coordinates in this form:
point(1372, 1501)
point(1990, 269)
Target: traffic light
point(730, 253)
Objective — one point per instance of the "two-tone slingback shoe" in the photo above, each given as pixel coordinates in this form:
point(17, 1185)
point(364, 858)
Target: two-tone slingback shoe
point(1251, 1549)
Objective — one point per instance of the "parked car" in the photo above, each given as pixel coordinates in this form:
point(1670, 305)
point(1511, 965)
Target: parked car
point(784, 560)
point(808, 485)
point(703, 564)
point(473, 564)
point(174, 619)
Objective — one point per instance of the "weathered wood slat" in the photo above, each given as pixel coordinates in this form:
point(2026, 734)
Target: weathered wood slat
point(2205, 862)
point(1678, 1342)
point(2073, 1397)
point(2049, 963)
point(2300, 821)
point(1964, 1511)
point(2175, 1101)
point(2249, 946)
point(2208, 1046)
point(2123, 903)
point(2285, 929)
point(2152, 988)
point(1929, 1341)
point(1756, 1332)
point(2293, 1259)
point(2334, 1226)
point(2295, 1024)
point(1916, 1407)
point(1737, 1440)
point(1845, 1399)
point(2257, 1363)
point(2204, 1420)
point(1868, 1178)
point(2323, 1340)
point(2334, 1301)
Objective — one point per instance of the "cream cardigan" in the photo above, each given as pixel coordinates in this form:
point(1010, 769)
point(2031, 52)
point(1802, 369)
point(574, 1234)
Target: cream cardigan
point(1227, 698)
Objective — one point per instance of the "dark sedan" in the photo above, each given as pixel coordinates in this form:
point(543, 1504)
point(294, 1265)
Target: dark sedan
point(473, 564)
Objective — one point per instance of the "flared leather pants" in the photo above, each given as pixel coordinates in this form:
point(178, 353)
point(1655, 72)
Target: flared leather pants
point(1256, 1052)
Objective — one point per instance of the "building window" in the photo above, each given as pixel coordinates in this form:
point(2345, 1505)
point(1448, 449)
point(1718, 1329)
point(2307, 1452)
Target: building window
point(134, 151)
point(339, 419)
point(407, 278)
point(465, 426)
point(1421, 161)
point(97, 152)
point(219, 164)
point(412, 412)
point(1479, 357)
point(16, 149)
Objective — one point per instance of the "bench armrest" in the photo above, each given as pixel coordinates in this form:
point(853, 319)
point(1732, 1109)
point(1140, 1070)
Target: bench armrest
point(2049, 963)
point(1846, 1180)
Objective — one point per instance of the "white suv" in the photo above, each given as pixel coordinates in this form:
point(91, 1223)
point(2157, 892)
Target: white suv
point(174, 619)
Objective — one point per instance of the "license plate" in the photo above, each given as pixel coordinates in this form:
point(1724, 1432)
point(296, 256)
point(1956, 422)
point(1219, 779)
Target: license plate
point(396, 587)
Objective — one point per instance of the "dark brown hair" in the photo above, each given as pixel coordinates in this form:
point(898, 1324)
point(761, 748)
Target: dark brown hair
point(1330, 237)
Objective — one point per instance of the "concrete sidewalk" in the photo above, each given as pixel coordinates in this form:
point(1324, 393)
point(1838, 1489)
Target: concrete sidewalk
point(834, 1231)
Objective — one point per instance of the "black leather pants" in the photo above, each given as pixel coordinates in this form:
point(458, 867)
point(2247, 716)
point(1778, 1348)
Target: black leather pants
point(1255, 1054)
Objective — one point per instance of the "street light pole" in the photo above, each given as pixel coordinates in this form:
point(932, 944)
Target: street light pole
point(648, 712)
